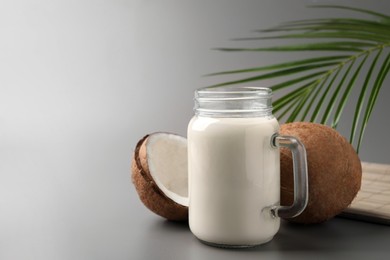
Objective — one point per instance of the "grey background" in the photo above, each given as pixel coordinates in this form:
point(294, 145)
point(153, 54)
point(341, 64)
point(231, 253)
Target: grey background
point(82, 81)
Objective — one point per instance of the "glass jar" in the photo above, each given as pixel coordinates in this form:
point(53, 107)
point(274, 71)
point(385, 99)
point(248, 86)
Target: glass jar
point(234, 168)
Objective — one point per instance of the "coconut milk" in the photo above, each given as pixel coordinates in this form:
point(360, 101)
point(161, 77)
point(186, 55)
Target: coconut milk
point(233, 178)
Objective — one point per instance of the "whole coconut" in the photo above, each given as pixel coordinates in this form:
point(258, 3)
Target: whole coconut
point(334, 171)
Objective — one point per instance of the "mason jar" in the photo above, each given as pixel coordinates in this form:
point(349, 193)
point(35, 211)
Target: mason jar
point(234, 168)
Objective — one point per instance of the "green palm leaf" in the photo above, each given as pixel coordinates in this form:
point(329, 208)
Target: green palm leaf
point(322, 99)
point(322, 84)
point(362, 95)
point(317, 92)
point(384, 18)
point(373, 96)
point(331, 25)
point(332, 101)
point(346, 94)
point(283, 65)
point(340, 34)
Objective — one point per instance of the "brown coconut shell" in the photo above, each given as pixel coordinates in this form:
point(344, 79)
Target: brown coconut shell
point(148, 191)
point(334, 171)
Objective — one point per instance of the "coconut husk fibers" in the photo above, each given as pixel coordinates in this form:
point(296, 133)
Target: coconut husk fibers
point(149, 193)
point(334, 171)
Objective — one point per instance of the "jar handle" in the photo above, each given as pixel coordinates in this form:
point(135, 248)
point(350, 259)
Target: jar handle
point(301, 190)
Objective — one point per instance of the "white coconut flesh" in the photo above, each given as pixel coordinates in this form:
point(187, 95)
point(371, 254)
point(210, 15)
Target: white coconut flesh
point(167, 162)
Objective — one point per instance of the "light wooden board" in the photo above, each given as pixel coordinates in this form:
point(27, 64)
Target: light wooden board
point(372, 202)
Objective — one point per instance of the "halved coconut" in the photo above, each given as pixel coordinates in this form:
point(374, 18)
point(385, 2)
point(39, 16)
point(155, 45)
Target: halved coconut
point(160, 175)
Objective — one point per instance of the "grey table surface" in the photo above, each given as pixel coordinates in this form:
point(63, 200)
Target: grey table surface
point(113, 224)
point(338, 238)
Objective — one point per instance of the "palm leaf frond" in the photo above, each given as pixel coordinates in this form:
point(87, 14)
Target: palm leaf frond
point(346, 94)
point(332, 101)
point(317, 109)
point(362, 95)
point(374, 95)
point(316, 93)
point(384, 18)
point(341, 34)
point(322, 84)
point(283, 65)
point(341, 25)
point(344, 46)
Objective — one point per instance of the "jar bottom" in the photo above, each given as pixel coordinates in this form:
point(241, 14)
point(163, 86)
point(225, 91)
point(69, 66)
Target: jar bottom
point(229, 246)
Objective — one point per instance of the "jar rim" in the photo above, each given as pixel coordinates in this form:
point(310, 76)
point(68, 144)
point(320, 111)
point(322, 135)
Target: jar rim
point(249, 91)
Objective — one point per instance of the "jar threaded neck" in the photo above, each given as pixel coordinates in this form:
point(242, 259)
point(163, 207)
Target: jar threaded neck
point(233, 102)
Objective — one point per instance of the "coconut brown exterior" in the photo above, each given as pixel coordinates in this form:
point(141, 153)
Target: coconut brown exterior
point(148, 191)
point(334, 171)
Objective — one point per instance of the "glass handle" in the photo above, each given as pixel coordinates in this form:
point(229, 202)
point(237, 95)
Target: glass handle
point(301, 190)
